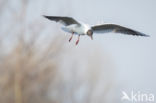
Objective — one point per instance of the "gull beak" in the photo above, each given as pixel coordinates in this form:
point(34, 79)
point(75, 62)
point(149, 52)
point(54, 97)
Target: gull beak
point(91, 37)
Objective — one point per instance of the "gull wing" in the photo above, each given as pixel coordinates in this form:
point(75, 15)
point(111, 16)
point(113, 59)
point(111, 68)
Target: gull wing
point(116, 29)
point(63, 20)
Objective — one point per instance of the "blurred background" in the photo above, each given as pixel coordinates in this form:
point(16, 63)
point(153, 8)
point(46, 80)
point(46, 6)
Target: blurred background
point(39, 65)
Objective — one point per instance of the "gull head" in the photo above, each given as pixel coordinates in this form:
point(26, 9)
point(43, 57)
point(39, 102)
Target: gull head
point(90, 33)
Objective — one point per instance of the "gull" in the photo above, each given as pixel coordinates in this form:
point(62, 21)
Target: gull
point(79, 28)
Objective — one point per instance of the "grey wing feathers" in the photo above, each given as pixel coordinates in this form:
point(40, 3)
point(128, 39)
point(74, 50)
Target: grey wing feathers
point(117, 29)
point(64, 20)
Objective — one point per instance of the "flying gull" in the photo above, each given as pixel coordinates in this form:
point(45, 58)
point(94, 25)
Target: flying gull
point(79, 28)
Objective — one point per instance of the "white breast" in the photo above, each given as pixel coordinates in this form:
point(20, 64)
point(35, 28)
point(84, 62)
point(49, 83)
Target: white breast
point(79, 29)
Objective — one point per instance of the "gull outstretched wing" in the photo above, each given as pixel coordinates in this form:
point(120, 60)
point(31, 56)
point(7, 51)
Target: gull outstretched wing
point(116, 29)
point(63, 20)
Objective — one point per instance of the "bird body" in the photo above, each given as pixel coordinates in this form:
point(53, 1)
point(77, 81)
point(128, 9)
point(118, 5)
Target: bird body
point(80, 28)
point(77, 29)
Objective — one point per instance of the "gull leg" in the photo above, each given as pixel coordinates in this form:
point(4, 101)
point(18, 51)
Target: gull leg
point(78, 40)
point(71, 36)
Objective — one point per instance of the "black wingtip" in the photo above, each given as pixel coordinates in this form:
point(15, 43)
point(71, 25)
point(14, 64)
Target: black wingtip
point(142, 34)
point(45, 16)
point(145, 35)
